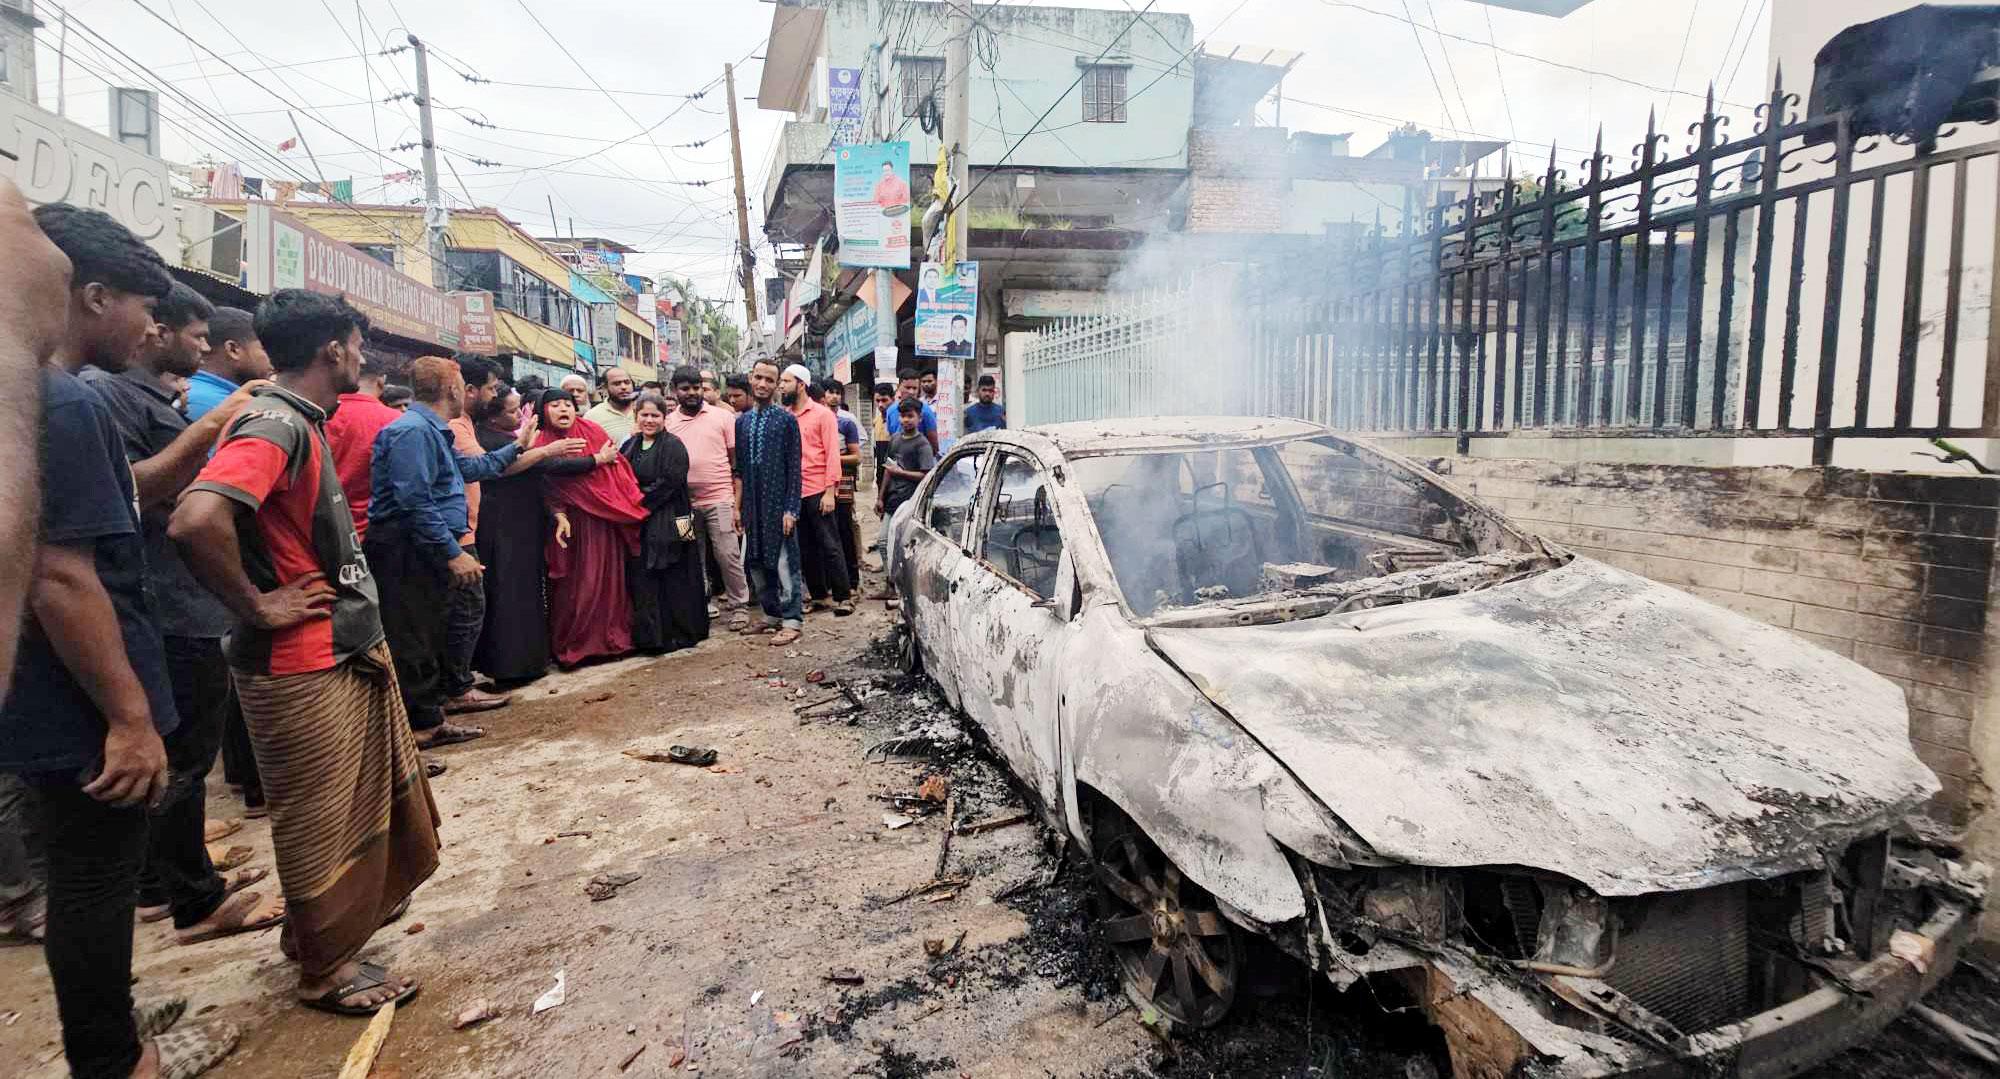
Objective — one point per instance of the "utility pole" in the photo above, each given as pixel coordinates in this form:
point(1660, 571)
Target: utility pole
point(747, 268)
point(958, 122)
point(435, 218)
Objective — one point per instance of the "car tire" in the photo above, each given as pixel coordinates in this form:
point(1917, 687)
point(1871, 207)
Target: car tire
point(1176, 953)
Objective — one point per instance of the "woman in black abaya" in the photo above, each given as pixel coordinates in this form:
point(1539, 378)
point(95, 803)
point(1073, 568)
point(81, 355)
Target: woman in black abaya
point(669, 601)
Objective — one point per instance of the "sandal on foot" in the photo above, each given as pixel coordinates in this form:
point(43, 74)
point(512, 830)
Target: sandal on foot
point(236, 915)
point(220, 829)
point(226, 860)
point(784, 637)
point(26, 925)
point(149, 915)
point(238, 881)
point(370, 977)
point(434, 769)
point(187, 1053)
point(156, 1017)
point(842, 610)
point(449, 734)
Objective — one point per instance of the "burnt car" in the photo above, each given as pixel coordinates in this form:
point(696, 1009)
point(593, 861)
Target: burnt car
point(1278, 684)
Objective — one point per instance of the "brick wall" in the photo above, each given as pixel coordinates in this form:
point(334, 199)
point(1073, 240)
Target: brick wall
point(1237, 179)
point(1893, 570)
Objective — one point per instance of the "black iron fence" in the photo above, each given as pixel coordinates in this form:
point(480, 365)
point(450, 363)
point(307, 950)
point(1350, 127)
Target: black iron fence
point(1803, 280)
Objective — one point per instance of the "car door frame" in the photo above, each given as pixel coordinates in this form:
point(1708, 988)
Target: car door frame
point(931, 569)
point(1019, 639)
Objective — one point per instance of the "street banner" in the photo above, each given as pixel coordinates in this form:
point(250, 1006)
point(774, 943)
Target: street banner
point(949, 402)
point(947, 310)
point(843, 104)
point(871, 191)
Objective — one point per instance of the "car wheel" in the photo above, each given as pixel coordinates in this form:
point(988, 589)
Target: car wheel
point(1176, 953)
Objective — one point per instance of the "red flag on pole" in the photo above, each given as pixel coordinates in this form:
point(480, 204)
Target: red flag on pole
point(287, 144)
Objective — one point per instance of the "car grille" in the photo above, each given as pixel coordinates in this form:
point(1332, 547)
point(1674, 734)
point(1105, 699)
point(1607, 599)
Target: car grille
point(1686, 955)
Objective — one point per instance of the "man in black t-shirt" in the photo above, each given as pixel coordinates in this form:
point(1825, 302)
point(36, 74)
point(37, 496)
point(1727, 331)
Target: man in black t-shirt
point(90, 696)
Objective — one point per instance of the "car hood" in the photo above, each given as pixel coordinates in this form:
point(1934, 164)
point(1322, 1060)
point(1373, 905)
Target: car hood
point(1585, 721)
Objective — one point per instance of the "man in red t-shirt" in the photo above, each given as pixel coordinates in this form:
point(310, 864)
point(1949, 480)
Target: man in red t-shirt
point(265, 529)
point(351, 431)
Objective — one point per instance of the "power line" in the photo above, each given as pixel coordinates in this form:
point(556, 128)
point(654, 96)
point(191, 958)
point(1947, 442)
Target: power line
point(1686, 35)
point(619, 105)
point(1499, 76)
point(1417, 33)
point(1464, 110)
point(1747, 38)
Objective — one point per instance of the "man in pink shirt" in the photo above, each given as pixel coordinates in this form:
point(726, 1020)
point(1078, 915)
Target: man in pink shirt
point(819, 476)
point(709, 433)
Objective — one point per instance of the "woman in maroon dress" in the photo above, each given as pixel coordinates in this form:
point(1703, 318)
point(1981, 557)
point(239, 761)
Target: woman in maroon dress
point(597, 518)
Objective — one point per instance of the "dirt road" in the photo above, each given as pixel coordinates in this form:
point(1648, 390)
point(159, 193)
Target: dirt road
point(757, 879)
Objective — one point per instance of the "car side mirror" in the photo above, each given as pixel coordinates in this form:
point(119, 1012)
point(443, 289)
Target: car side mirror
point(1068, 597)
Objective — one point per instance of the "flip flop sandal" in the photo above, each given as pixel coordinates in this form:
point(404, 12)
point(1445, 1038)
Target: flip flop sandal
point(155, 1017)
point(149, 915)
point(784, 637)
point(842, 610)
point(220, 829)
point(434, 769)
point(233, 913)
point(187, 1053)
point(26, 927)
point(371, 977)
point(450, 734)
point(401, 909)
point(229, 859)
point(245, 879)
point(696, 755)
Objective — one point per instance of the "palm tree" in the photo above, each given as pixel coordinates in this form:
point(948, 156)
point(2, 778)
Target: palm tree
point(708, 329)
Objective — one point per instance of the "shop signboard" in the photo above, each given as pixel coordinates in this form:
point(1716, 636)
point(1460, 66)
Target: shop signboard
point(284, 252)
point(55, 160)
point(871, 189)
point(947, 310)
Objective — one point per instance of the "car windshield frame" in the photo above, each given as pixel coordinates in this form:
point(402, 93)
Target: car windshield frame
point(1499, 551)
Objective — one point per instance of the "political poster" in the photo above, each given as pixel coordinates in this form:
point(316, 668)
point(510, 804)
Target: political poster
point(871, 191)
point(947, 310)
point(843, 104)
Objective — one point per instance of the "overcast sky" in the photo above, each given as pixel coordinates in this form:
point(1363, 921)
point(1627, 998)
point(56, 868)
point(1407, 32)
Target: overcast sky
point(1491, 72)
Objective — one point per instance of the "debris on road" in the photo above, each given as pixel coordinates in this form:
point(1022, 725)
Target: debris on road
point(572, 835)
point(605, 885)
point(599, 698)
point(474, 1013)
point(413, 929)
point(1005, 820)
point(950, 821)
point(896, 820)
point(934, 787)
point(554, 998)
point(632, 1056)
point(699, 756)
point(844, 976)
point(361, 1058)
point(952, 884)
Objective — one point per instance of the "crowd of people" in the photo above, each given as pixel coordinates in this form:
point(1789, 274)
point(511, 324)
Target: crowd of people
point(250, 549)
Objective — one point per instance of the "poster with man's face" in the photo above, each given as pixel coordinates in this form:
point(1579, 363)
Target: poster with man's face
point(871, 195)
point(948, 314)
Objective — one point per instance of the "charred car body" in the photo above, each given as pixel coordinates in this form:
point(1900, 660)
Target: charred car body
point(1279, 683)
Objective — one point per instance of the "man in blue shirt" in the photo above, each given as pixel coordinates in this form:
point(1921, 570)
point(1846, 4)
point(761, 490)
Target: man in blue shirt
point(986, 414)
point(234, 357)
point(416, 513)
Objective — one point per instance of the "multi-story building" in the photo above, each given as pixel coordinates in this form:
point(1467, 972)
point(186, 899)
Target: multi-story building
point(17, 47)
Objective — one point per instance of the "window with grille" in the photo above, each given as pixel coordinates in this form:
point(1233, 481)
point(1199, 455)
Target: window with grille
point(921, 77)
point(1104, 94)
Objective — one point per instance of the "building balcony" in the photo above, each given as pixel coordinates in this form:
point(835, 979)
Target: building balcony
point(798, 196)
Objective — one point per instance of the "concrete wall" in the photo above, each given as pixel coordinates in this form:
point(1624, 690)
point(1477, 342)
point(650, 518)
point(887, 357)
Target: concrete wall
point(1893, 570)
point(17, 58)
point(1035, 52)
